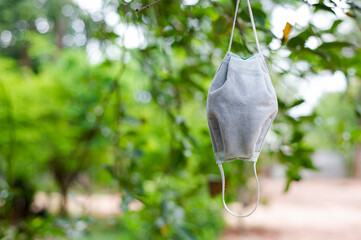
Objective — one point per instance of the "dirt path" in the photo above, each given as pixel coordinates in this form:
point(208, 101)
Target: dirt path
point(313, 209)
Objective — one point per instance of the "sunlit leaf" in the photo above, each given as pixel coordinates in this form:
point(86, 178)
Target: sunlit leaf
point(286, 32)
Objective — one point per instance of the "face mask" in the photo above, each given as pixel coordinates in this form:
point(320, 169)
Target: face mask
point(241, 106)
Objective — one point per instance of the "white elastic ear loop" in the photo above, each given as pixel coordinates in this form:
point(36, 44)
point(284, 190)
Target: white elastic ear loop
point(223, 187)
point(234, 23)
point(254, 28)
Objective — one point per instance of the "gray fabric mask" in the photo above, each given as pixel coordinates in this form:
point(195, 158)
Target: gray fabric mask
point(241, 106)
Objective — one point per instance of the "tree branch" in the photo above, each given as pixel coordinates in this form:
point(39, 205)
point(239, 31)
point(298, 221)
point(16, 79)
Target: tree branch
point(147, 6)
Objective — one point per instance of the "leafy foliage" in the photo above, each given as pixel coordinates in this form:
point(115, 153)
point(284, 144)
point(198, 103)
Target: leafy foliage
point(79, 96)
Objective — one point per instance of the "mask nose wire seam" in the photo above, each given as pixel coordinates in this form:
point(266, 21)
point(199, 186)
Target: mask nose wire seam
point(223, 188)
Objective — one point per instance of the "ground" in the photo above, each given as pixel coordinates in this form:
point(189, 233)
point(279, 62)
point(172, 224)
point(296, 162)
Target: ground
point(313, 209)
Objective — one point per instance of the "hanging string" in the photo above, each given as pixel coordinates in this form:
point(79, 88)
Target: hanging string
point(234, 23)
point(253, 27)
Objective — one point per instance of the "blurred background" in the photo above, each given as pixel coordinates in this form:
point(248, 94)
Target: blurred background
point(103, 130)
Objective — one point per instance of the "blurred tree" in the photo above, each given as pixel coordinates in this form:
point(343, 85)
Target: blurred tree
point(82, 88)
point(334, 131)
point(181, 42)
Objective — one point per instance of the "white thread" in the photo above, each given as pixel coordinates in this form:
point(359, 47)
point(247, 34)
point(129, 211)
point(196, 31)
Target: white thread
point(253, 27)
point(234, 23)
point(223, 188)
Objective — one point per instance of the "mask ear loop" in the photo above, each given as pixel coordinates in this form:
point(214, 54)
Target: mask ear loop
point(253, 28)
point(234, 23)
point(223, 187)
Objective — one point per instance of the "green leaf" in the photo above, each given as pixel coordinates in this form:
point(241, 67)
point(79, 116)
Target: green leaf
point(296, 42)
point(320, 6)
point(336, 44)
point(292, 174)
point(220, 27)
point(184, 233)
point(296, 103)
point(126, 199)
point(297, 136)
point(334, 26)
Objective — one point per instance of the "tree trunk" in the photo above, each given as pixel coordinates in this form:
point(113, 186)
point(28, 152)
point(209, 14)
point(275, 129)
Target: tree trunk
point(60, 31)
point(357, 161)
point(357, 156)
point(64, 200)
